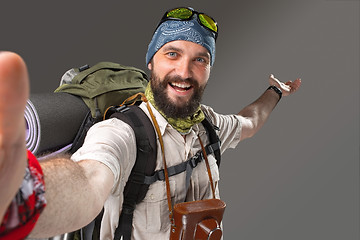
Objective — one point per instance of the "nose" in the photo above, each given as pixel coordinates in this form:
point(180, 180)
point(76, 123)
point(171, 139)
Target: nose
point(184, 68)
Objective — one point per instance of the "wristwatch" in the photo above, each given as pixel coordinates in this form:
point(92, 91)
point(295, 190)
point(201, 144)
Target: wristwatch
point(277, 90)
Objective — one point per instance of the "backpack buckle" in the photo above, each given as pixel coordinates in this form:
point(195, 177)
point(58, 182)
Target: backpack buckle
point(193, 162)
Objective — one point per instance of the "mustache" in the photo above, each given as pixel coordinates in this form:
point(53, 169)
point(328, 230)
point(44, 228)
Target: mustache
point(169, 79)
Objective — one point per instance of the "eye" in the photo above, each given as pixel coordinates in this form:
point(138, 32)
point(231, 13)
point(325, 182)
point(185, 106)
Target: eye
point(172, 54)
point(202, 60)
point(199, 59)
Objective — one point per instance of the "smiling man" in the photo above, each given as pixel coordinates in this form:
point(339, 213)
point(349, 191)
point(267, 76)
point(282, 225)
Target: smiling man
point(180, 71)
point(180, 56)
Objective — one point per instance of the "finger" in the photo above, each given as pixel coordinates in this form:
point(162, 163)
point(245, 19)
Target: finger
point(14, 90)
point(298, 82)
point(295, 85)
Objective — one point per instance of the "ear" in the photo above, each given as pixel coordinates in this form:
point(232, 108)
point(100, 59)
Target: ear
point(150, 66)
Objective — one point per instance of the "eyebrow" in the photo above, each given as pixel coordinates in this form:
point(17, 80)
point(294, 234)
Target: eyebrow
point(204, 54)
point(171, 48)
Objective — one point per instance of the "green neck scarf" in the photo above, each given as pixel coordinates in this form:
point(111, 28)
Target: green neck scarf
point(182, 125)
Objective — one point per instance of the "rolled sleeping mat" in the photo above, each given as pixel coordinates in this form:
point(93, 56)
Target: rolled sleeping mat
point(52, 121)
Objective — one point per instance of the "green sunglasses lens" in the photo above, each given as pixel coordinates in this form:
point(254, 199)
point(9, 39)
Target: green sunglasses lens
point(208, 22)
point(186, 13)
point(181, 13)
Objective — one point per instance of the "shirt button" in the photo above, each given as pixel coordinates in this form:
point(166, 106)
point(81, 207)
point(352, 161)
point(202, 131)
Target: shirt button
point(152, 196)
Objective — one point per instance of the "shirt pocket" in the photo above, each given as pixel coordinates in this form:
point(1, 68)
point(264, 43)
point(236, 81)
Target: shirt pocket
point(153, 212)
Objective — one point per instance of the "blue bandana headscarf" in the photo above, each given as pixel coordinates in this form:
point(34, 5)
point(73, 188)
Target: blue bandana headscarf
point(190, 30)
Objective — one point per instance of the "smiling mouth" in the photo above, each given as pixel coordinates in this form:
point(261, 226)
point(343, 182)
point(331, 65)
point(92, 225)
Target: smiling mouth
point(181, 87)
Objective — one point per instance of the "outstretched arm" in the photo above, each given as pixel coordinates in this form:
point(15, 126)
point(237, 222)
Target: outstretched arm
point(75, 192)
point(255, 115)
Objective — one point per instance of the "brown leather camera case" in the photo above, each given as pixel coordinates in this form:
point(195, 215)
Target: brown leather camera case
point(198, 220)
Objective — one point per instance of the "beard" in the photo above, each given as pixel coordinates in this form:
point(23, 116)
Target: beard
point(179, 108)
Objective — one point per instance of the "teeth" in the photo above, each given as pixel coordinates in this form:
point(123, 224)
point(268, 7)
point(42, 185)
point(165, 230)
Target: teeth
point(181, 85)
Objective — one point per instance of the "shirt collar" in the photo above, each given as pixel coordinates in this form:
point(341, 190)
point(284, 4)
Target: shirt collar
point(163, 123)
point(159, 118)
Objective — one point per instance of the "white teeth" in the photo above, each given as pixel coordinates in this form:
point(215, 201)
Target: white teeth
point(181, 85)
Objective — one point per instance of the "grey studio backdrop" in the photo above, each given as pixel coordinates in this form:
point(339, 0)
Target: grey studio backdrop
point(298, 178)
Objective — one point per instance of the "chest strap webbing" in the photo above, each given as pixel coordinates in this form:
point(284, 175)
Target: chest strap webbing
point(187, 166)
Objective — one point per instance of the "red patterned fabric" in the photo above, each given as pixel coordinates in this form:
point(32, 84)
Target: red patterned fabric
point(25, 209)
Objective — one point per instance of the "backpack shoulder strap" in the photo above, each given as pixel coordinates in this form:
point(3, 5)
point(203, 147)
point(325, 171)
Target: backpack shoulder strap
point(214, 145)
point(146, 145)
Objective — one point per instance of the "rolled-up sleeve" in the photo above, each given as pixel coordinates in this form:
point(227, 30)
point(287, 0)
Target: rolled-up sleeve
point(111, 142)
point(229, 125)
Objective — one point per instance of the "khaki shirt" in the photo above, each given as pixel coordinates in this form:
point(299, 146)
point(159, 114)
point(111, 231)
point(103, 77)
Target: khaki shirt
point(112, 142)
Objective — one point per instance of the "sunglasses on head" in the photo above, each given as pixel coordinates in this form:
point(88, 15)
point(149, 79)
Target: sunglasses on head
point(184, 13)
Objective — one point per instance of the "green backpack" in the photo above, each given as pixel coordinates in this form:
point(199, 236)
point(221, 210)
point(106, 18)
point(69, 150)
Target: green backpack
point(104, 84)
point(101, 86)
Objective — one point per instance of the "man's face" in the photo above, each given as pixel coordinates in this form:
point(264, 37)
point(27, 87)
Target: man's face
point(179, 73)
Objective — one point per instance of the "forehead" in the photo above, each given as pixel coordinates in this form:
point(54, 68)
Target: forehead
point(186, 47)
